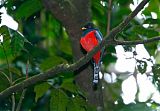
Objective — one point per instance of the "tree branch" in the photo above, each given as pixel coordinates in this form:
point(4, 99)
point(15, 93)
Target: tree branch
point(118, 42)
point(73, 14)
point(68, 68)
point(109, 16)
point(123, 24)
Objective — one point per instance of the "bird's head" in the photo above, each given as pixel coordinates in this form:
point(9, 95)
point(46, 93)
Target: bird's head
point(89, 25)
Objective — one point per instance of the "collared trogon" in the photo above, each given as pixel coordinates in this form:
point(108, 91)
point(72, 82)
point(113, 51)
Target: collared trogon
point(91, 37)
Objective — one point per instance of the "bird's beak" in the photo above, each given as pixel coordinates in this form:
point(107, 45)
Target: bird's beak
point(83, 28)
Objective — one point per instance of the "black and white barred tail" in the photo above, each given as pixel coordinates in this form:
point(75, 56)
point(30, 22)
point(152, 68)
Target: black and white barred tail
point(96, 73)
point(97, 69)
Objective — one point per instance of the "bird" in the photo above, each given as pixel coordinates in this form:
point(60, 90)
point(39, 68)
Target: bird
point(90, 38)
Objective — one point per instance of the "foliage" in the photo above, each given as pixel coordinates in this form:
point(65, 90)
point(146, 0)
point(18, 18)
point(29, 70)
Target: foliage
point(45, 43)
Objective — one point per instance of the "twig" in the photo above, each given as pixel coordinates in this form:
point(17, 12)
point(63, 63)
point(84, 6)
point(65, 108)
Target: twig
point(13, 102)
point(153, 39)
point(21, 99)
point(124, 23)
point(72, 67)
point(22, 78)
point(24, 90)
point(108, 22)
point(5, 76)
point(109, 16)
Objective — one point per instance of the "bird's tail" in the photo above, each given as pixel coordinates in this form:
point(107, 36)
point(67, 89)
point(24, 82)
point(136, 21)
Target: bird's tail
point(96, 73)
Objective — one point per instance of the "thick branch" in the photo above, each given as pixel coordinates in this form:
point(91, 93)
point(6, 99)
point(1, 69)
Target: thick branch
point(68, 68)
point(73, 14)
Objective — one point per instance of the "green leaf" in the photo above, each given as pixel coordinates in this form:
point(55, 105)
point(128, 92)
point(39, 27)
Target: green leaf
point(6, 44)
point(59, 100)
point(135, 107)
point(124, 2)
point(15, 71)
point(142, 66)
point(65, 46)
point(156, 72)
point(40, 89)
point(98, 12)
point(51, 62)
point(152, 21)
point(156, 69)
point(69, 85)
point(109, 58)
point(157, 57)
point(78, 104)
point(153, 7)
point(28, 8)
point(96, 5)
point(4, 31)
point(118, 14)
point(4, 83)
point(17, 42)
point(151, 47)
point(145, 31)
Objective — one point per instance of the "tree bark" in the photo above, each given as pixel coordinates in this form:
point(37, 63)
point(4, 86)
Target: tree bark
point(73, 15)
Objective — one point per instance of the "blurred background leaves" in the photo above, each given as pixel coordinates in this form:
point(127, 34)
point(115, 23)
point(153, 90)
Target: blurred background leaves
point(45, 43)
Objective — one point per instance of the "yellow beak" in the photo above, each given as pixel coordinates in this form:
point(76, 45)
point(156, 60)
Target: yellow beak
point(83, 28)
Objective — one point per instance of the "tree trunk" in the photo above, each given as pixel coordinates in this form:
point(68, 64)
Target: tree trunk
point(73, 15)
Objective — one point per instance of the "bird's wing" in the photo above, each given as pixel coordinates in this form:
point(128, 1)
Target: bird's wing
point(98, 35)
